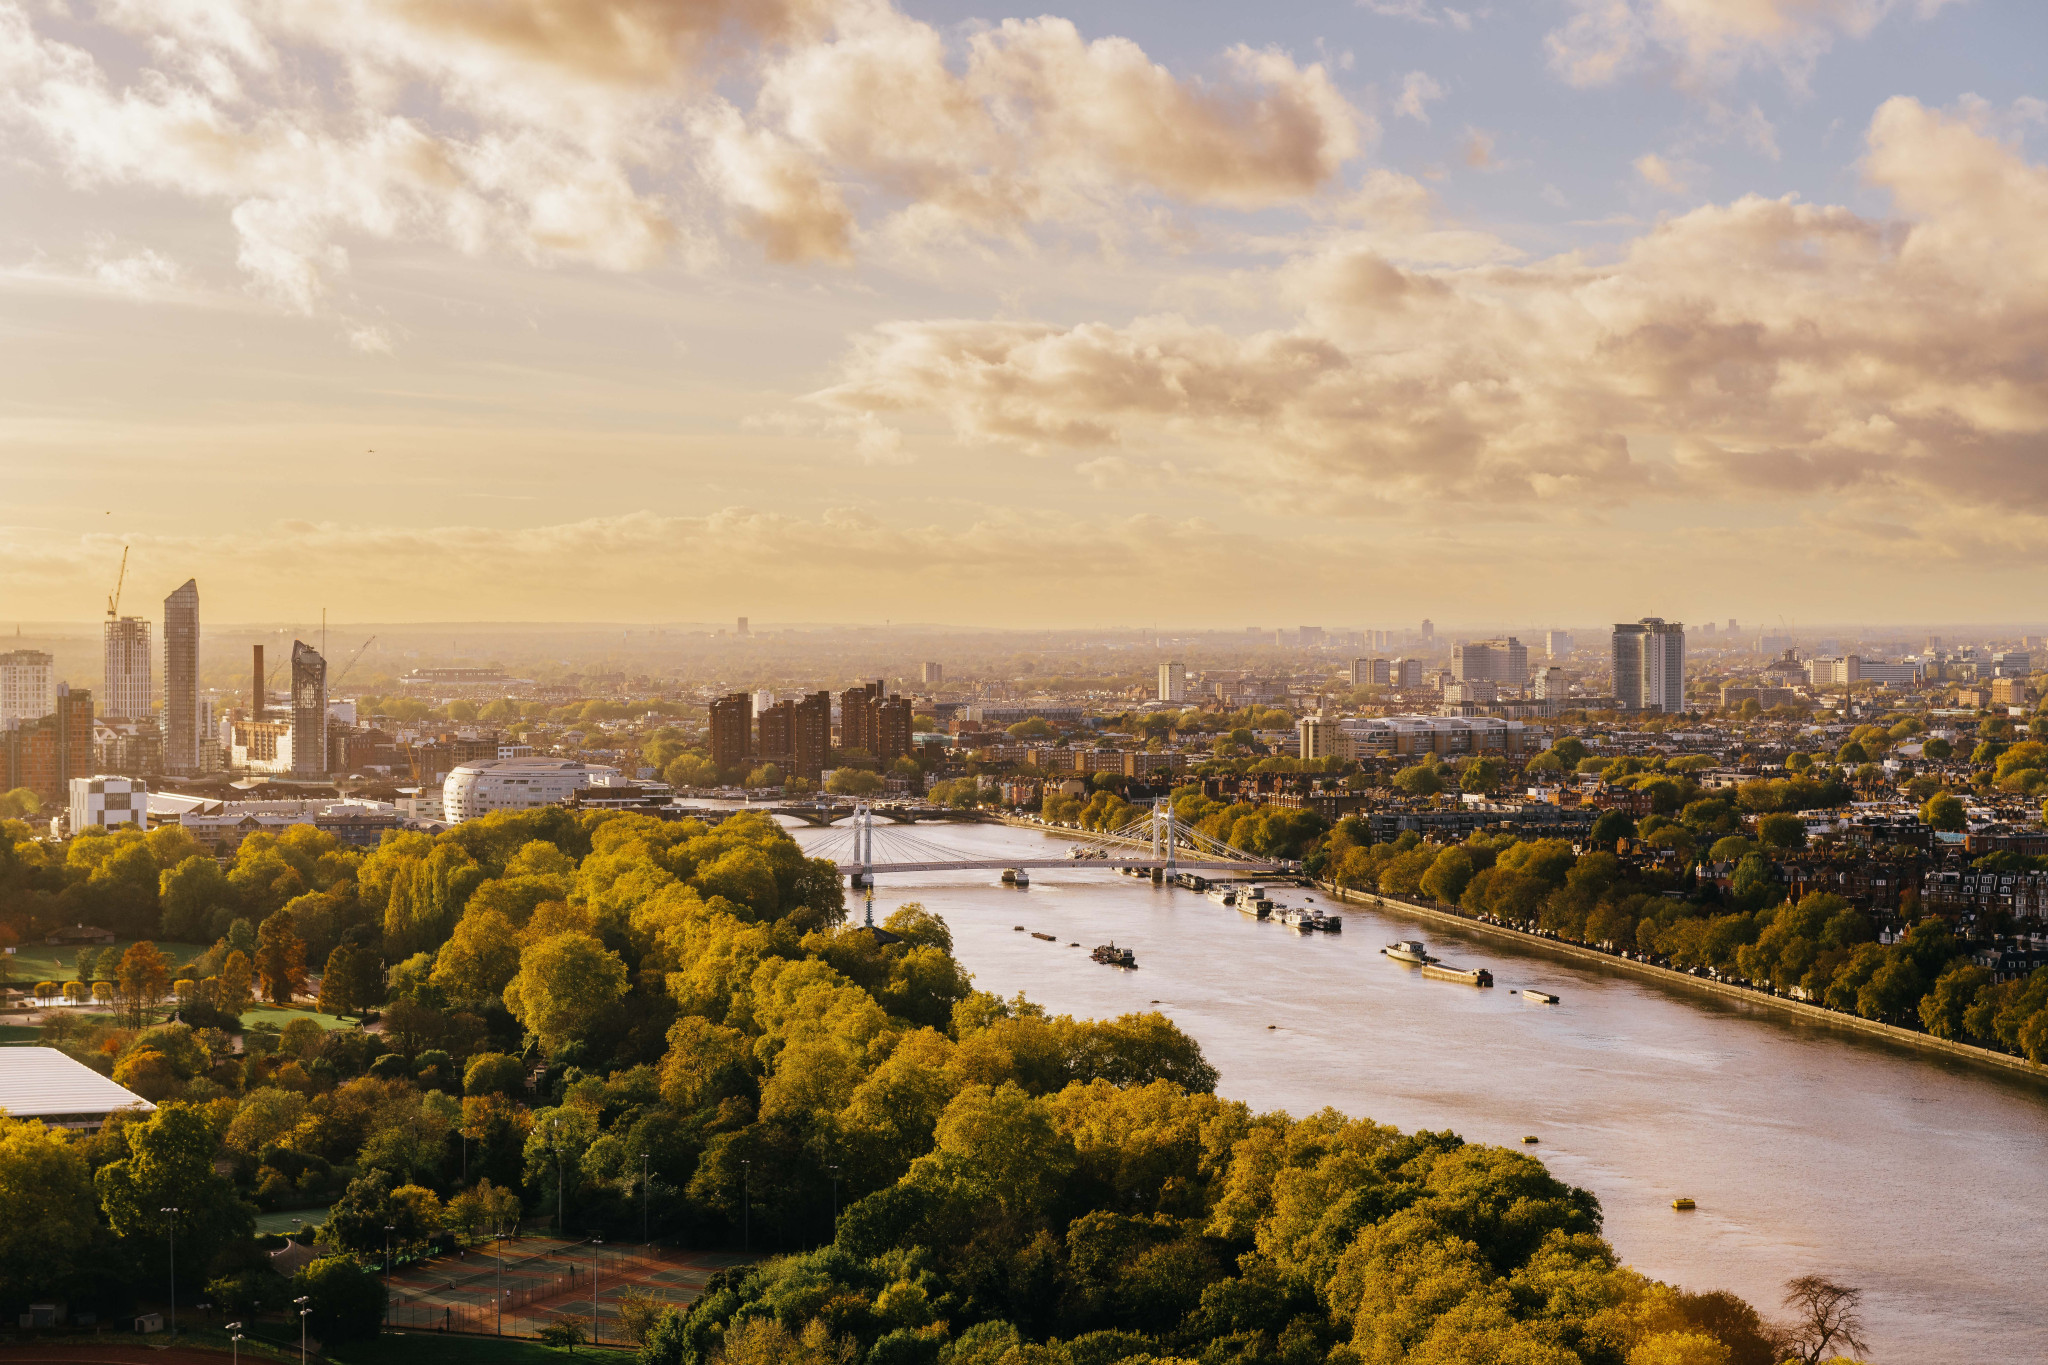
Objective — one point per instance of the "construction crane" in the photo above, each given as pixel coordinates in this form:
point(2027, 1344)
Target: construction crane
point(114, 597)
point(351, 662)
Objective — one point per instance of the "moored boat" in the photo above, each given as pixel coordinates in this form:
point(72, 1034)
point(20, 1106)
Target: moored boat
point(1477, 976)
point(1408, 950)
point(1109, 955)
point(1540, 997)
point(1049, 938)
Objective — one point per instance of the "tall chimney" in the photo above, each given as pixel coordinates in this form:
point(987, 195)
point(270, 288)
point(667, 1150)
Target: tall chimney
point(256, 693)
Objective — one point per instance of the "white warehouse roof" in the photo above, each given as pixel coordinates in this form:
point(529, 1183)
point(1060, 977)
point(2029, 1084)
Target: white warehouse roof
point(43, 1083)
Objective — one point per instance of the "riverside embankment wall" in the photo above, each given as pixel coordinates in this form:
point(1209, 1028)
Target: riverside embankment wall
point(1396, 905)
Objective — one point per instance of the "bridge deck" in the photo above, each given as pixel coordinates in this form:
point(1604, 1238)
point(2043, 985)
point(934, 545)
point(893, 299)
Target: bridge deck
point(1080, 864)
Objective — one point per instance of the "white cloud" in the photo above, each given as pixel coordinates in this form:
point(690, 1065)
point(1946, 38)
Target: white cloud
point(1418, 89)
point(1775, 349)
point(616, 132)
point(1420, 11)
point(1707, 41)
point(1658, 173)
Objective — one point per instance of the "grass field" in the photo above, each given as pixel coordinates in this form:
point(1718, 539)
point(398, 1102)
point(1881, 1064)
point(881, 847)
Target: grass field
point(280, 1015)
point(33, 962)
point(18, 1033)
point(281, 1221)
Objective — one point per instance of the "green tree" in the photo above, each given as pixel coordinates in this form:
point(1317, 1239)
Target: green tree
point(1480, 775)
point(169, 1165)
point(563, 982)
point(1937, 749)
point(479, 959)
point(351, 982)
point(51, 1215)
point(191, 895)
point(1448, 875)
point(1943, 812)
point(345, 1301)
point(690, 770)
point(280, 959)
point(1944, 1011)
point(1782, 831)
point(144, 976)
point(1421, 779)
point(1611, 827)
point(853, 782)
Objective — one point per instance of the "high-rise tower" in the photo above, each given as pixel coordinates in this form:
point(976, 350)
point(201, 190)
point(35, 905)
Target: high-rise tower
point(127, 694)
point(309, 711)
point(183, 730)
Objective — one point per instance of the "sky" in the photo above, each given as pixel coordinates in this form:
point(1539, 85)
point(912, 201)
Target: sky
point(1182, 314)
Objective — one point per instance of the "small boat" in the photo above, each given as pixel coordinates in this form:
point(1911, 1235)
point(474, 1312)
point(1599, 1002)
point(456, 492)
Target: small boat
point(1532, 1139)
point(1049, 938)
point(1332, 924)
point(1109, 955)
point(1476, 976)
point(1298, 918)
point(1016, 876)
point(1017, 928)
point(1682, 1204)
point(1408, 950)
point(1540, 997)
point(1256, 909)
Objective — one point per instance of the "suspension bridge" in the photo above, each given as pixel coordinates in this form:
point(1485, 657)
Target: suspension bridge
point(1156, 841)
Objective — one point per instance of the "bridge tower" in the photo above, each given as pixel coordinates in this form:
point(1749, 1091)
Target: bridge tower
point(1164, 832)
point(864, 854)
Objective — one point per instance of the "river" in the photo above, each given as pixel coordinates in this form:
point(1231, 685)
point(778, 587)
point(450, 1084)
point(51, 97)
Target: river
point(1922, 1180)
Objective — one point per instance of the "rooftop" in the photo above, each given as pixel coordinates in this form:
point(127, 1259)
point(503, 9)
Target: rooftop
point(43, 1083)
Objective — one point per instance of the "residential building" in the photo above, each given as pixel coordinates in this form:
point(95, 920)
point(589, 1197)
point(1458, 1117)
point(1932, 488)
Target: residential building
point(1144, 766)
point(931, 674)
point(811, 737)
point(857, 716)
point(1557, 643)
point(1648, 658)
point(1476, 691)
point(763, 699)
point(1370, 673)
point(1406, 673)
point(1317, 737)
point(107, 802)
point(775, 734)
point(184, 727)
point(126, 692)
point(741, 629)
point(2011, 664)
point(1173, 682)
point(487, 785)
point(1551, 684)
point(259, 689)
point(1012, 713)
point(309, 711)
point(2011, 692)
point(128, 747)
point(893, 729)
point(44, 754)
point(1499, 661)
point(28, 685)
point(732, 731)
point(1403, 736)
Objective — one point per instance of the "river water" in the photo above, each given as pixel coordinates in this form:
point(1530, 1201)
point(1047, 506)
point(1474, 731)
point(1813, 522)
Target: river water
point(1922, 1180)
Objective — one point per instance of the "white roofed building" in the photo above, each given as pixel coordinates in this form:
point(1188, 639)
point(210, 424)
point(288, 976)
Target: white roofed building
point(43, 1083)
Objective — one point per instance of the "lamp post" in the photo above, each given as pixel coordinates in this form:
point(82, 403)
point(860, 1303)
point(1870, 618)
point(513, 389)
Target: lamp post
point(555, 1141)
point(596, 1269)
point(746, 1206)
point(301, 1301)
point(392, 1310)
point(235, 1342)
point(643, 1199)
point(172, 1226)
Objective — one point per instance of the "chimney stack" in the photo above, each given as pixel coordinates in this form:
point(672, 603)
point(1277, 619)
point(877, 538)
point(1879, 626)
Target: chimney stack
point(256, 693)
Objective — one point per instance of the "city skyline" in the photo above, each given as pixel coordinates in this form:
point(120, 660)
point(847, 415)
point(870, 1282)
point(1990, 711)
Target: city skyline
point(1577, 310)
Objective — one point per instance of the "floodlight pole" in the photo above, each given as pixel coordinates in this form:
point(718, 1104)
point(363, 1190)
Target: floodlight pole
point(596, 1269)
point(172, 1225)
point(746, 1207)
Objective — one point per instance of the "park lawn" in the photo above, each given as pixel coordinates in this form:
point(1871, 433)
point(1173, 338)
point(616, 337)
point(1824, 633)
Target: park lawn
point(455, 1348)
point(33, 962)
point(280, 1015)
point(19, 1033)
point(281, 1221)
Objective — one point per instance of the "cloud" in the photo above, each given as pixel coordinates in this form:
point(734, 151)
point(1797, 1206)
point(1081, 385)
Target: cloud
point(618, 133)
point(1420, 11)
point(1479, 150)
point(1658, 173)
point(1708, 41)
point(1763, 348)
point(1418, 88)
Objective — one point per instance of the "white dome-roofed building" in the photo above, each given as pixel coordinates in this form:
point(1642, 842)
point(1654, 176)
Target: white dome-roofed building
point(495, 784)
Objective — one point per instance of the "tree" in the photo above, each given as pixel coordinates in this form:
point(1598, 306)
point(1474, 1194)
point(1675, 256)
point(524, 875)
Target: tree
point(1782, 831)
point(169, 1164)
point(1480, 775)
point(479, 959)
point(47, 1193)
point(493, 1073)
point(563, 1333)
point(144, 976)
point(1944, 1010)
point(1423, 779)
point(190, 895)
point(351, 982)
point(1943, 812)
point(235, 976)
point(853, 782)
point(690, 770)
point(280, 959)
point(1825, 1319)
point(767, 775)
point(563, 982)
point(1612, 827)
point(1937, 749)
point(345, 1302)
point(486, 1206)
